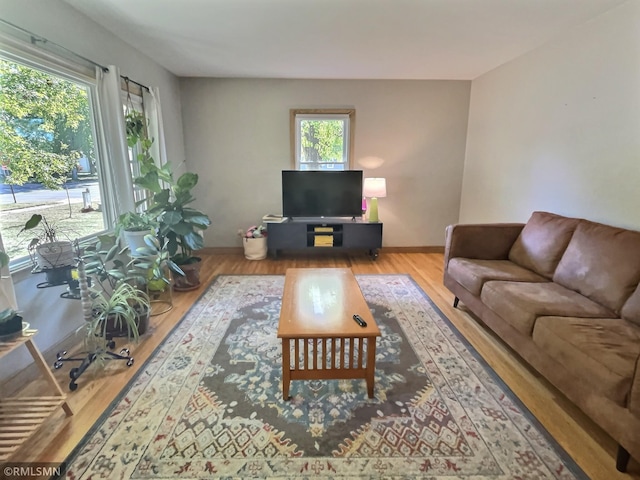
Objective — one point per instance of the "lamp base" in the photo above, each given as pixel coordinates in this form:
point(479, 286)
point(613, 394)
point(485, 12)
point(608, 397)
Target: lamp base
point(373, 210)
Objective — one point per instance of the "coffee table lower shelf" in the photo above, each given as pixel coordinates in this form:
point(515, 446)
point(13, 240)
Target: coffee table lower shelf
point(328, 359)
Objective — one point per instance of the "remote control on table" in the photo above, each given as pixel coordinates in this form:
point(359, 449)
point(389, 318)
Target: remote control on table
point(359, 320)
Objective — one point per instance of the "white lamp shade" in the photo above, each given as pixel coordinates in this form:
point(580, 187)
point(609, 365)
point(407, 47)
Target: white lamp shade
point(375, 187)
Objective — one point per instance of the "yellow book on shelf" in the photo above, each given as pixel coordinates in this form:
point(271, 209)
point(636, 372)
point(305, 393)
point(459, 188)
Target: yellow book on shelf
point(323, 241)
point(323, 229)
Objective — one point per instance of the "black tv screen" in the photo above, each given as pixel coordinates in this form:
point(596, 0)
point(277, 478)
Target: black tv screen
point(312, 193)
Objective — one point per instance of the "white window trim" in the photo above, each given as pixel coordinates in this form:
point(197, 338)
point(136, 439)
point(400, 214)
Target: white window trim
point(296, 115)
point(18, 51)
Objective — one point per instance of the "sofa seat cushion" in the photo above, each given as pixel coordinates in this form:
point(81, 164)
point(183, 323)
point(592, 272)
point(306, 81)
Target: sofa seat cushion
point(601, 262)
point(472, 273)
point(520, 303)
point(600, 351)
point(543, 240)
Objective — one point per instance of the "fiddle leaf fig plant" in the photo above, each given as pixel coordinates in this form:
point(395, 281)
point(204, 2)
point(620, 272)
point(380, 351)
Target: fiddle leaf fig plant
point(168, 201)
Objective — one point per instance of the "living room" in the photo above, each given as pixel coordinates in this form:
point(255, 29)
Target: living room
point(554, 129)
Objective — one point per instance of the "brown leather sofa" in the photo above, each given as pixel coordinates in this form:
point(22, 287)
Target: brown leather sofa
point(564, 294)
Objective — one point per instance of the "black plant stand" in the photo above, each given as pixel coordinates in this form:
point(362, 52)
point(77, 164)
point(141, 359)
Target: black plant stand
point(88, 359)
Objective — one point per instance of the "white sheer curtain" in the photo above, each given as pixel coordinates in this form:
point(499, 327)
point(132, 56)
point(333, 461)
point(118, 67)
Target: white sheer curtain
point(115, 142)
point(151, 101)
point(7, 293)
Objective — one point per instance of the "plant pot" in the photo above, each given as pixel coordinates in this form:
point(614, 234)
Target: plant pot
point(58, 275)
point(55, 254)
point(255, 248)
point(191, 278)
point(120, 330)
point(134, 240)
point(11, 329)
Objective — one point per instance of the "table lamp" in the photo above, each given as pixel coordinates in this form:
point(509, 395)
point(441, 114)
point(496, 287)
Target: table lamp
point(374, 188)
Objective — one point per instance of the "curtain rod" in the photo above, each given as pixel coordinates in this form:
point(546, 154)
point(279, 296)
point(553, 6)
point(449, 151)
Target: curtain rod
point(37, 38)
point(127, 79)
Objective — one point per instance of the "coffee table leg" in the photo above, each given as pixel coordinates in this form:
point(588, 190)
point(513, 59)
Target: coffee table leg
point(286, 365)
point(371, 364)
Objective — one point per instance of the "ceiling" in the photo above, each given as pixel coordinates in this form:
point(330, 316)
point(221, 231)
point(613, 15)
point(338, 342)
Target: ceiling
point(347, 39)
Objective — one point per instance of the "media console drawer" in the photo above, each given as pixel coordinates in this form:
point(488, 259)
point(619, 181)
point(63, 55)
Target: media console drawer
point(326, 234)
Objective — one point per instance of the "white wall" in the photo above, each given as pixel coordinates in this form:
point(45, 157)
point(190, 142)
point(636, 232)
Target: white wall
point(558, 129)
point(53, 19)
point(237, 139)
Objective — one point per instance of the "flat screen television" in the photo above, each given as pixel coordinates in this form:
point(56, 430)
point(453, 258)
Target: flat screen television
point(317, 193)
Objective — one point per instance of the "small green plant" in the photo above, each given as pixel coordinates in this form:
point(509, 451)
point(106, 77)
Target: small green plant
point(6, 315)
point(46, 249)
point(151, 262)
point(48, 231)
point(120, 308)
point(104, 262)
point(135, 222)
point(10, 322)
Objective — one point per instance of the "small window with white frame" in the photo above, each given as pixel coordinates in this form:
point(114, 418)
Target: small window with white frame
point(322, 139)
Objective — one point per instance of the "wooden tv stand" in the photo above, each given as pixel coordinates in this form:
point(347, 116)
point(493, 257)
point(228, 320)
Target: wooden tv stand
point(324, 233)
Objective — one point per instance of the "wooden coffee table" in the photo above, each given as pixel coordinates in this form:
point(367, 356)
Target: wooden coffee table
point(320, 338)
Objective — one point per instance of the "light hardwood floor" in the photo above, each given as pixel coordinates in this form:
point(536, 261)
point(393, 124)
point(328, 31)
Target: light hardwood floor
point(589, 446)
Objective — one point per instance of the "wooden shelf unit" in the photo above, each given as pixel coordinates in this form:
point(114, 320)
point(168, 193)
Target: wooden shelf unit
point(21, 417)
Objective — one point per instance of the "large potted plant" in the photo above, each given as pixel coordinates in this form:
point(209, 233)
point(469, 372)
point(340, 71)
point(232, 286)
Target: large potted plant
point(168, 201)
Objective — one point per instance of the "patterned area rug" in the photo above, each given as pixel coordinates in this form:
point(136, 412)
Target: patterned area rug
point(208, 404)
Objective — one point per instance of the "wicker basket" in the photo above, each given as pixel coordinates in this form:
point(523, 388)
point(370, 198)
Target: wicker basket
point(255, 248)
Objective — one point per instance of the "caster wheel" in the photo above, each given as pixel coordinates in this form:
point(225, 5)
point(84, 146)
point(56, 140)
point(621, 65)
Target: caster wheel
point(124, 352)
point(73, 373)
point(111, 344)
point(73, 386)
point(57, 365)
point(61, 355)
point(129, 362)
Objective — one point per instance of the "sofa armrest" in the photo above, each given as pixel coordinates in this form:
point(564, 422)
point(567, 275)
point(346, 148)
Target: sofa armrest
point(484, 241)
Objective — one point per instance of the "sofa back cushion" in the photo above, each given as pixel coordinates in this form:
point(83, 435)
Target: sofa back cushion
point(543, 240)
point(631, 309)
point(602, 263)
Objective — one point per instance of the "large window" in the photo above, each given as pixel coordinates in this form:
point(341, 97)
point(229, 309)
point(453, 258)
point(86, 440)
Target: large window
point(322, 139)
point(49, 160)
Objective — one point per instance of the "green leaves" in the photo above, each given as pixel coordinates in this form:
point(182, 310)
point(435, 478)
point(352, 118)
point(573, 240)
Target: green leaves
point(178, 225)
point(33, 222)
point(322, 140)
point(44, 127)
point(187, 181)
